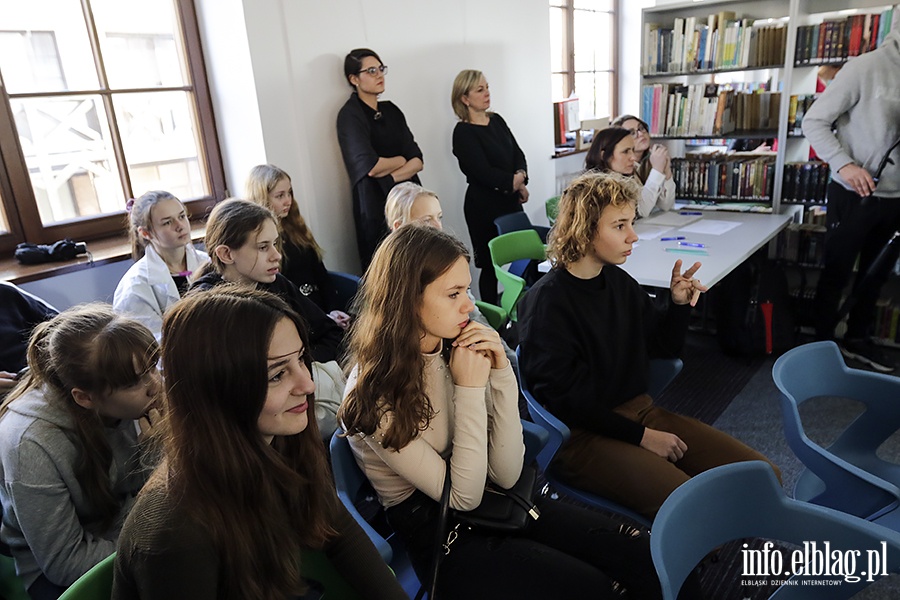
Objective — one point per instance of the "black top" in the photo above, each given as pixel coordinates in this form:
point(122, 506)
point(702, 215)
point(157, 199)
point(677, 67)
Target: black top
point(325, 336)
point(19, 313)
point(586, 344)
point(489, 157)
point(304, 269)
point(163, 553)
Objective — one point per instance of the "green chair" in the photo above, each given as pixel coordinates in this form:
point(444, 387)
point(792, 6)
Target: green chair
point(11, 587)
point(96, 584)
point(552, 208)
point(495, 315)
point(507, 248)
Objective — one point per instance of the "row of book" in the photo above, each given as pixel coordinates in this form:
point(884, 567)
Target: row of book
point(887, 320)
point(802, 243)
point(677, 110)
point(805, 182)
point(836, 40)
point(721, 42)
point(735, 177)
point(565, 119)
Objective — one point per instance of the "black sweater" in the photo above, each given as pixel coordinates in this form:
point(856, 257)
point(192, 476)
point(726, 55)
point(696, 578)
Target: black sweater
point(586, 343)
point(325, 336)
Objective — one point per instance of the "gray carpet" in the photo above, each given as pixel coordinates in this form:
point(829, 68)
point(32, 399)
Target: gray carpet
point(754, 417)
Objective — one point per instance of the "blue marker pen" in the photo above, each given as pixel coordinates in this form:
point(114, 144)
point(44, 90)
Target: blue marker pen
point(671, 239)
point(692, 244)
point(690, 212)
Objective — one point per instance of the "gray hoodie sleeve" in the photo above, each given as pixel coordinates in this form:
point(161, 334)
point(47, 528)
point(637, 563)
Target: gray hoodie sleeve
point(835, 102)
point(43, 505)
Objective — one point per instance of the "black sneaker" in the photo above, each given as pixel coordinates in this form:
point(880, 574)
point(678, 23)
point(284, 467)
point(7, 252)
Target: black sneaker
point(865, 351)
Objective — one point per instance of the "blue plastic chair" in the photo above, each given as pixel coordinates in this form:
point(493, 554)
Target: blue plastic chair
point(345, 285)
point(847, 475)
point(745, 500)
point(519, 221)
point(96, 584)
point(662, 372)
point(353, 487)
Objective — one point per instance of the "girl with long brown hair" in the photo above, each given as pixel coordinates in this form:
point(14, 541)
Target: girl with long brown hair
point(70, 457)
point(427, 387)
point(301, 261)
point(244, 484)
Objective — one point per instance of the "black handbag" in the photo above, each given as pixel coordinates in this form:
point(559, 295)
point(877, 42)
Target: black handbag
point(503, 509)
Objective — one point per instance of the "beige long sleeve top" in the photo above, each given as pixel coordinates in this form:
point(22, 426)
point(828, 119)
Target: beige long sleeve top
point(480, 425)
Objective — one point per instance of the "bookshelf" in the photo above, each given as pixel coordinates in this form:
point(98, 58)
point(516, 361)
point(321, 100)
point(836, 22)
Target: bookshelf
point(730, 69)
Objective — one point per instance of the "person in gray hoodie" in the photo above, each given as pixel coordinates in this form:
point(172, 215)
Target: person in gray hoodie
point(70, 458)
point(855, 127)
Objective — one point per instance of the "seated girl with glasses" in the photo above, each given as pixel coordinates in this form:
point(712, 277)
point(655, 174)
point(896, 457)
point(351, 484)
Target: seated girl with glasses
point(611, 151)
point(431, 387)
point(244, 484)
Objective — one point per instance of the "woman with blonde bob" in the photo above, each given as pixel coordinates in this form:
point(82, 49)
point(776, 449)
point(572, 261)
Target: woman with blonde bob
point(301, 261)
point(244, 484)
point(494, 166)
point(71, 460)
point(428, 388)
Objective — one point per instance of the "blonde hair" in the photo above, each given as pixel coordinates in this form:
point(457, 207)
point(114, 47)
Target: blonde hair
point(580, 207)
point(260, 183)
point(462, 85)
point(400, 201)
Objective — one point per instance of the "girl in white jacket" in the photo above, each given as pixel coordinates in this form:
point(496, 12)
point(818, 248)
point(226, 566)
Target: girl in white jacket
point(165, 258)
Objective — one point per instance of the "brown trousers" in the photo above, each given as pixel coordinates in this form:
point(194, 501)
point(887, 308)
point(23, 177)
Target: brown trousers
point(638, 478)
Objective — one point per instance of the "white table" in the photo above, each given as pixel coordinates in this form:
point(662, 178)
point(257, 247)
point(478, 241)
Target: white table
point(651, 264)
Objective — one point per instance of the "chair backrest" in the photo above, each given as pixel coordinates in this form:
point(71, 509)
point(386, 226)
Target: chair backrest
point(507, 248)
point(519, 221)
point(11, 587)
point(352, 486)
point(745, 500)
point(551, 207)
point(96, 584)
point(847, 475)
point(345, 286)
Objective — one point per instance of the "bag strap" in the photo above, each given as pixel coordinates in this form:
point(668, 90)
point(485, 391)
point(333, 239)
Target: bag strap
point(440, 536)
point(527, 504)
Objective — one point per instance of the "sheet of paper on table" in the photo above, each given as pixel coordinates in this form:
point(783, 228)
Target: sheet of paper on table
point(710, 227)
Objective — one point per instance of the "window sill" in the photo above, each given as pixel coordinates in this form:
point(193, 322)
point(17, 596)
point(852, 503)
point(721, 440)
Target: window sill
point(102, 251)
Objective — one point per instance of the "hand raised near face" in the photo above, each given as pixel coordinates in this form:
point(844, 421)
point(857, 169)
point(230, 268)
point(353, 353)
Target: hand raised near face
point(485, 340)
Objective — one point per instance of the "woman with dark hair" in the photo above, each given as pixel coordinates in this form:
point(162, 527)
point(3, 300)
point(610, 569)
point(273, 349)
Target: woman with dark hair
point(494, 166)
point(652, 167)
point(378, 148)
point(70, 458)
point(426, 382)
point(301, 263)
point(242, 241)
point(244, 483)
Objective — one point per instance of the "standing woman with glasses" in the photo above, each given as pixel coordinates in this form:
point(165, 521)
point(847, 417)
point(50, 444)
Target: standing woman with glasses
point(653, 168)
point(494, 167)
point(378, 148)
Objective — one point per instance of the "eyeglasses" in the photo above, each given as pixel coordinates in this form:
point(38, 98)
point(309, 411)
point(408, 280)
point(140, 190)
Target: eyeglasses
point(637, 130)
point(374, 71)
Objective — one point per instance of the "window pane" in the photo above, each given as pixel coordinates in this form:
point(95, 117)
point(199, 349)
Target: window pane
point(44, 47)
point(593, 94)
point(557, 39)
point(69, 156)
point(594, 4)
point(140, 43)
point(159, 135)
point(558, 84)
point(593, 36)
point(4, 222)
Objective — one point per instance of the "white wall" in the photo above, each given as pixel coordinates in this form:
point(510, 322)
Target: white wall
point(296, 49)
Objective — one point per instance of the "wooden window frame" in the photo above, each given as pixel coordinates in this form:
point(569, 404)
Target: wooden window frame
point(19, 203)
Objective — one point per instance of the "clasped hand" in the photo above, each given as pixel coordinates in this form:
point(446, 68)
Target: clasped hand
point(476, 350)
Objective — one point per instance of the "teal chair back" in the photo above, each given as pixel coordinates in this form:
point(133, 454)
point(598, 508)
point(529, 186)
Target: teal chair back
point(96, 584)
point(847, 475)
point(745, 500)
point(506, 249)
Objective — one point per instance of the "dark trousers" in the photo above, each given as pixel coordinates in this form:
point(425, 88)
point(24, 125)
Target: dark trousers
point(856, 226)
point(638, 478)
point(368, 217)
point(569, 552)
